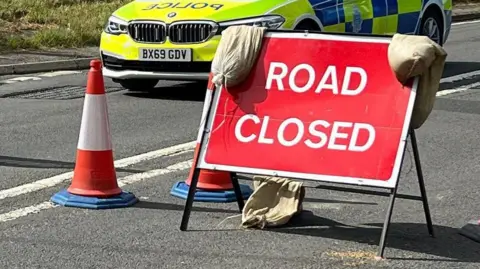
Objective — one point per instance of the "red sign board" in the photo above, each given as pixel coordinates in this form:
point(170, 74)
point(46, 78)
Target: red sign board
point(317, 106)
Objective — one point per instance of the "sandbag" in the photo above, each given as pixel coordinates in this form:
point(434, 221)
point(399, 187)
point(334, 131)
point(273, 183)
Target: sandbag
point(236, 54)
point(273, 202)
point(410, 56)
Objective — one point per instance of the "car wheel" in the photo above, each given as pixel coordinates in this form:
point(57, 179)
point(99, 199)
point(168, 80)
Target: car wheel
point(139, 85)
point(432, 26)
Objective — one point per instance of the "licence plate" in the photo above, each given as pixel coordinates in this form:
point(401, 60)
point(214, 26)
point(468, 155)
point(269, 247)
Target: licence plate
point(166, 55)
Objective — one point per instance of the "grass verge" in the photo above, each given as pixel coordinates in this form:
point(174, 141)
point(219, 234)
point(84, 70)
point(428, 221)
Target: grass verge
point(53, 23)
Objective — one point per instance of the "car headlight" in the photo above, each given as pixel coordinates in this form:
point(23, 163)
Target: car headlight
point(116, 26)
point(270, 22)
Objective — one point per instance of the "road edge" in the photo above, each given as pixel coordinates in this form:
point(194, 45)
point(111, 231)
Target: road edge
point(466, 17)
point(49, 66)
point(84, 63)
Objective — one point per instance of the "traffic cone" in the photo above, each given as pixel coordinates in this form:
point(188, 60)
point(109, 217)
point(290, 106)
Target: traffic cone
point(94, 183)
point(212, 186)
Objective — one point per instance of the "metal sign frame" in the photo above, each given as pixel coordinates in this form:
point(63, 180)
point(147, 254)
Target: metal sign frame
point(211, 101)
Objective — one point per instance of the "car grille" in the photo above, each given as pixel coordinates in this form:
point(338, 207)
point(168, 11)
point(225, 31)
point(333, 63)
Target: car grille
point(184, 33)
point(190, 32)
point(147, 32)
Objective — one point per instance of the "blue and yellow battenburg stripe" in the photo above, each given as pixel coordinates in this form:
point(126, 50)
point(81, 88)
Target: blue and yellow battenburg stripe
point(371, 16)
point(447, 9)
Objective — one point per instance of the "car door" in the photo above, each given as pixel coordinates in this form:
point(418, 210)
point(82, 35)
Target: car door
point(407, 13)
point(366, 16)
point(330, 15)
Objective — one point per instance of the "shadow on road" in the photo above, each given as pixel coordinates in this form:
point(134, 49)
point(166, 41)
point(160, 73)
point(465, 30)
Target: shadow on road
point(329, 201)
point(167, 206)
point(457, 68)
point(9, 161)
point(404, 236)
point(193, 91)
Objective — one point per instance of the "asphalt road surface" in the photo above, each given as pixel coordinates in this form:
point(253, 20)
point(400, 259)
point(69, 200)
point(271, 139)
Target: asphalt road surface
point(153, 136)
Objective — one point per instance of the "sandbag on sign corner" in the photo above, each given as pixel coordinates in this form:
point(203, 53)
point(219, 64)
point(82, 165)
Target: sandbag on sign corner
point(410, 56)
point(273, 202)
point(236, 54)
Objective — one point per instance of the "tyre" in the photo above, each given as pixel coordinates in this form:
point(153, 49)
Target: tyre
point(432, 26)
point(139, 85)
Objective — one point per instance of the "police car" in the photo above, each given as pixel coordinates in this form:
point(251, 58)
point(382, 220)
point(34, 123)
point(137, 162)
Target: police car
point(147, 41)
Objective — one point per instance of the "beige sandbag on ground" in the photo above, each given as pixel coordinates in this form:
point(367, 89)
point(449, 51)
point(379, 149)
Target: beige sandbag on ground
point(236, 54)
point(273, 202)
point(410, 56)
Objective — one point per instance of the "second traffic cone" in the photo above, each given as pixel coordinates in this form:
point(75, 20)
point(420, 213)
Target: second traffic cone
point(208, 179)
point(211, 180)
point(212, 186)
point(94, 183)
point(94, 173)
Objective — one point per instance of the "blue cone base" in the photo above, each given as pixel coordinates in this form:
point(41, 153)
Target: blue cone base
point(180, 190)
point(65, 198)
point(471, 230)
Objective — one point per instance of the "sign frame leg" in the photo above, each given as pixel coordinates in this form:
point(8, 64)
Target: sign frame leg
point(189, 203)
point(238, 191)
point(421, 183)
point(388, 217)
point(191, 195)
point(393, 196)
point(196, 175)
point(196, 172)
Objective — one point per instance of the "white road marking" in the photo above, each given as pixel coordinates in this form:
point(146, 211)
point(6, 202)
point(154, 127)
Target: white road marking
point(456, 78)
point(25, 78)
point(39, 77)
point(460, 89)
point(6, 82)
point(459, 77)
point(21, 212)
point(59, 73)
point(155, 154)
point(55, 180)
point(181, 152)
point(34, 209)
point(465, 22)
point(130, 179)
point(18, 79)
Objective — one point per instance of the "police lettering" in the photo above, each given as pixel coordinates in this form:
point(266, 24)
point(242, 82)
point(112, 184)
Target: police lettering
point(193, 5)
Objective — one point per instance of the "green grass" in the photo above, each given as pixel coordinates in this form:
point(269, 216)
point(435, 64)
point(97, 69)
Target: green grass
point(53, 23)
point(37, 24)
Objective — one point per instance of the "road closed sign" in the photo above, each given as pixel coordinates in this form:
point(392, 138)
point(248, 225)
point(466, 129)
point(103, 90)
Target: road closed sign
point(317, 106)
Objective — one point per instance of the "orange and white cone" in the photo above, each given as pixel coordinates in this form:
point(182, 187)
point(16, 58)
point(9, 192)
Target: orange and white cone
point(212, 186)
point(94, 174)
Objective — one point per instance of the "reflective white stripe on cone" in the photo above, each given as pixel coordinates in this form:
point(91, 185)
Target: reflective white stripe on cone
point(95, 127)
